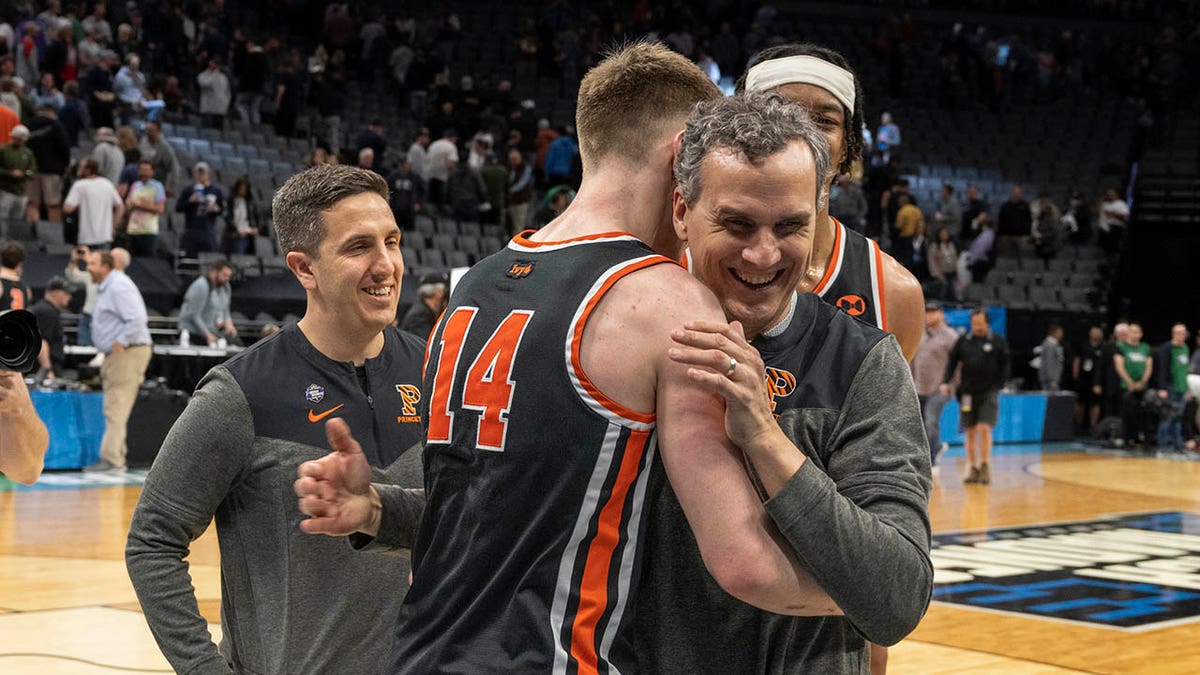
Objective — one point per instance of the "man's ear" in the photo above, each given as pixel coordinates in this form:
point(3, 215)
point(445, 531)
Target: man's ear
point(678, 211)
point(301, 265)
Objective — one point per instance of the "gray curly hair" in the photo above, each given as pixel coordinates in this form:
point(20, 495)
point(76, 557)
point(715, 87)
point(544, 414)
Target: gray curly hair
point(754, 125)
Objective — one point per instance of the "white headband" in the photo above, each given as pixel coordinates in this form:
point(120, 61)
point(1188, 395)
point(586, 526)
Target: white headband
point(767, 75)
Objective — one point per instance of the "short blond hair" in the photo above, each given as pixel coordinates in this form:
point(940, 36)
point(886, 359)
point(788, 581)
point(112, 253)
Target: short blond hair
point(626, 102)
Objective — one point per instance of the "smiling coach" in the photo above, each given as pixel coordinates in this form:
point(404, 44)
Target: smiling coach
point(290, 603)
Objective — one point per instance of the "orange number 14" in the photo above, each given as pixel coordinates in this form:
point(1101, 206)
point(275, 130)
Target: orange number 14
point(489, 386)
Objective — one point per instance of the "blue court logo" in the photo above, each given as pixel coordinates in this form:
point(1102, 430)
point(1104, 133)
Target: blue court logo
point(1135, 572)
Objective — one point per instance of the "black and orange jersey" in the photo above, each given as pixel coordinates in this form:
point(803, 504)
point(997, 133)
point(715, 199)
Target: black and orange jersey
point(529, 547)
point(14, 295)
point(853, 280)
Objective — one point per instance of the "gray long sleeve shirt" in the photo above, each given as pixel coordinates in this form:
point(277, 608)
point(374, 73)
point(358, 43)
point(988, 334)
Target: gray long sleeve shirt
point(203, 307)
point(855, 515)
point(291, 603)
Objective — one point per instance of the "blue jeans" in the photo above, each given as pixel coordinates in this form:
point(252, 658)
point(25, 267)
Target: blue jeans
point(1170, 425)
point(83, 336)
point(931, 410)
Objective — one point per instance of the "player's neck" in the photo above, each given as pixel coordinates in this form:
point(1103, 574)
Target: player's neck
point(611, 200)
point(10, 274)
point(339, 342)
point(822, 250)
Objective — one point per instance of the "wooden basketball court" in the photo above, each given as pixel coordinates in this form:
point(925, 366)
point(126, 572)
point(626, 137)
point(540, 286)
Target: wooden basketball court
point(66, 604)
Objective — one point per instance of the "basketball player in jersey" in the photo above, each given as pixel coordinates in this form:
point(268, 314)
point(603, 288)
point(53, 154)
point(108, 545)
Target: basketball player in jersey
point(548, 395)
point(845, 467)
point(847, 269)
point(14, 294)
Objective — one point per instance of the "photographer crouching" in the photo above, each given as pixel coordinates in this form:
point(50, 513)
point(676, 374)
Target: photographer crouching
point(23, 436)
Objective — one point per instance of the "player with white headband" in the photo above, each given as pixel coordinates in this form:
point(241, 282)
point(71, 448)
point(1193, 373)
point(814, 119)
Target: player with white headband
point(846, 269)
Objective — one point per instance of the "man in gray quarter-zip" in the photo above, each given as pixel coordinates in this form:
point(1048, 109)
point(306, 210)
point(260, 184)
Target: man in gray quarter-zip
point(291, 603)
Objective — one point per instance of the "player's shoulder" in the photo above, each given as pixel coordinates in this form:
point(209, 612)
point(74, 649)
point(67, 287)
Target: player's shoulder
point(664, 292)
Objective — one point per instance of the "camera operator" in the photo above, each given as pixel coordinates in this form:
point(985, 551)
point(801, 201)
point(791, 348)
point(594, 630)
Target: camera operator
point(23, 436)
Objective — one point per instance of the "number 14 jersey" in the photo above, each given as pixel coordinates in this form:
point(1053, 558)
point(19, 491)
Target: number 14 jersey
point(529, 547)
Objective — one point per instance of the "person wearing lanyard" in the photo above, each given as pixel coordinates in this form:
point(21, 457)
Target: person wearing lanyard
point(121, 332)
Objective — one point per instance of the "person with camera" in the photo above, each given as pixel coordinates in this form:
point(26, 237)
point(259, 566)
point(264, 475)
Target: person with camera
point(23, 436)
point(17, 166)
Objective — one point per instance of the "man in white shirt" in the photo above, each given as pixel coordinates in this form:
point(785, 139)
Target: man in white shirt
point(1113, 218)
point(98, 204)
point(443, 156)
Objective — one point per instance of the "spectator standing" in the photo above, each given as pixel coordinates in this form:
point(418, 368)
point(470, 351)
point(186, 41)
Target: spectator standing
point(48, 312)
point(465, 193)
point(1078, 220)
point(146, 201)
point(1014, 224)
point(1173, 360)
point(495, 182)
point(560, 158)
point(215, 94)
point(943, 265)
point(205, 314)
point(888, 139)
point(407, 194)
point(129, 86)
point(98, 83)
point(9, 119)
point(98, 204)
point(849, 205)
point(109, 157)
point(1049, 232)
point(984, 358)
point(251, 69)
point(1088, 371)
point(73, 114)
point(431, 300)
point(443, 156)
point(372, 137)
point(121, 332)
point(949, 212)
point(1112, 220)
point(541, 143)
point(1053, 358)
point(928, 369)
point(17, 167)
point(201, 203)
point(1134, 365)
point(76, 272)
point(48, 141)
point(520, 190)
point(241, 228)
point(97, 25)
point(155, 148)
point(47, 93)
point(979, 253)
point(14, 294)
point(289, 96)
point(418, 155)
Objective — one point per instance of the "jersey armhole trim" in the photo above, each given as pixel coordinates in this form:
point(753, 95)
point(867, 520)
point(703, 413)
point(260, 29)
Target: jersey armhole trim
point(877, 282)
point(834, 265)
point(588, 392)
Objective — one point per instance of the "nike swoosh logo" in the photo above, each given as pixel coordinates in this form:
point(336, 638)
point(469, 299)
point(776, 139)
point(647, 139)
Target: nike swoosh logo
point(317, 418)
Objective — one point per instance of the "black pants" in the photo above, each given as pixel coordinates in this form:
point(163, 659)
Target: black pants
point(1133, 415)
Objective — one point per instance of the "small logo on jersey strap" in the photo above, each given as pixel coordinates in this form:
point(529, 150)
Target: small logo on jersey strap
point(520, 269)
point(780, 384)
point(853, 305)
point(410, 396)
point(315, 393)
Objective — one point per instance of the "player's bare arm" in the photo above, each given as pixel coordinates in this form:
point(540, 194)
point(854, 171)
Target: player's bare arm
point(630, 332)
point(905, 306)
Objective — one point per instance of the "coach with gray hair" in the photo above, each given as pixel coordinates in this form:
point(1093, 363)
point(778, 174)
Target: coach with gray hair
point(837, 446)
